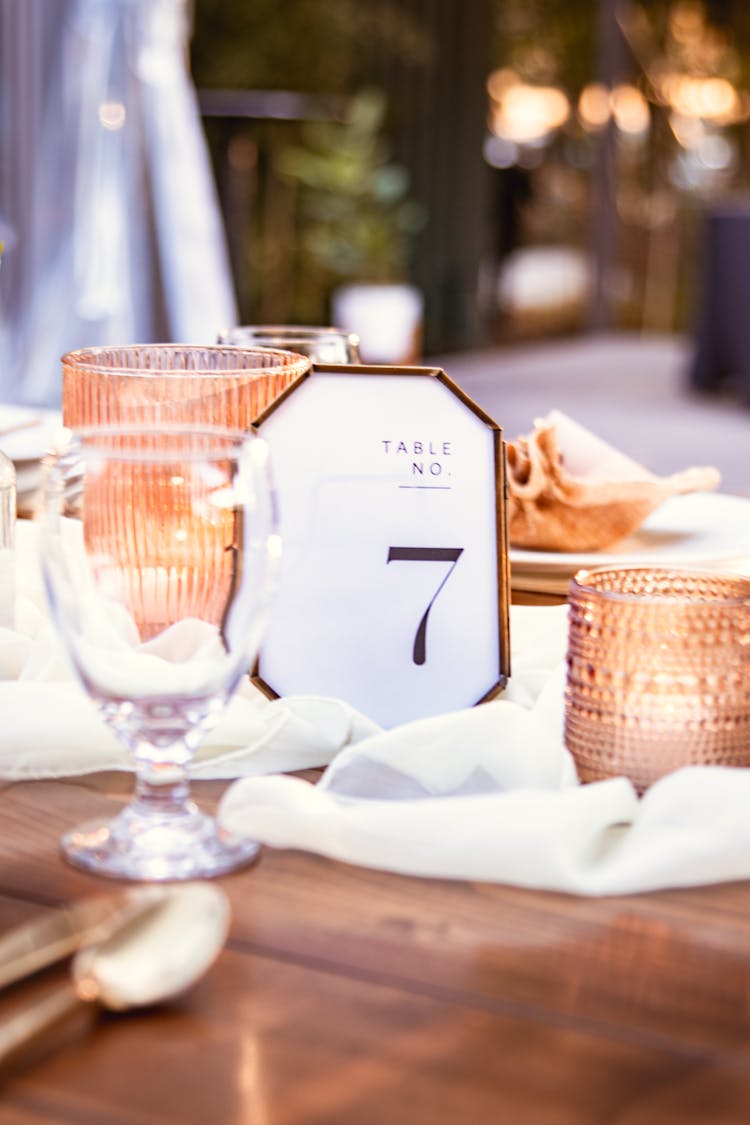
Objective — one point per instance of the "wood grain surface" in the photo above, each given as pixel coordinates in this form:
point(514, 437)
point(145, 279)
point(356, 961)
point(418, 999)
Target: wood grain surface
point(354, 997)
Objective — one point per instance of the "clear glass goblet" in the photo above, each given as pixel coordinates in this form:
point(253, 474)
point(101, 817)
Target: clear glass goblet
point(159, 552)
point(322, 345)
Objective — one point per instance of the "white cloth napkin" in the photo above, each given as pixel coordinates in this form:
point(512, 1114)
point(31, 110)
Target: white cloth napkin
point(491, 794)
point(691, 828)
point(50, 727)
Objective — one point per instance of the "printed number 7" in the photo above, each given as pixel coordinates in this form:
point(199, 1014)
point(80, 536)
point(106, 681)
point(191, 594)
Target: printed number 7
point(425, 554)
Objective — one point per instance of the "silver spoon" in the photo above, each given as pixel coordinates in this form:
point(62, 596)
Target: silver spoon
point(150, 957)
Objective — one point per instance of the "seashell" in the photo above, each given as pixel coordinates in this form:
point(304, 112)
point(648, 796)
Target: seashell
point(570, 491)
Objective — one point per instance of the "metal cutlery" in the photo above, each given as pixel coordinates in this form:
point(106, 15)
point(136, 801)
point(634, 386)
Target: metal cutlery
point(37, 944)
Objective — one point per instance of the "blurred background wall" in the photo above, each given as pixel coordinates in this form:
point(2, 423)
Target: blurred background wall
point(543, 167)
point(531, 168)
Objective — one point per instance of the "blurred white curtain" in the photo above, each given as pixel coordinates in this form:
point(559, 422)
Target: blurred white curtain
point(116, 235)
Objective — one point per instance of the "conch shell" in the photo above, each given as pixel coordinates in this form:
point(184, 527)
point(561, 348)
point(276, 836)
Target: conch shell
point(570, 491)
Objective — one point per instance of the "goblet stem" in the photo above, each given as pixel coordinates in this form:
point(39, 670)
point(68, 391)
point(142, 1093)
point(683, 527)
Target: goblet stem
point(160, 835)
point(161, 788)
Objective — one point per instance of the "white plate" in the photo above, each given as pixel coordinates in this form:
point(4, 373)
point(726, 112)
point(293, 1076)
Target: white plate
point(28, 478)
point(32, 442)
point(701, 528)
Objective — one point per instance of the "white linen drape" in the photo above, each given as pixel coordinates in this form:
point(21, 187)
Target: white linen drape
point(122, 240)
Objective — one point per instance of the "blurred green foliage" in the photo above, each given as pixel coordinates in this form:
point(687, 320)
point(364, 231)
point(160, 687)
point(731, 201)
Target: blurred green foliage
point(356, 219)
point(308, 202)
point(311, 202)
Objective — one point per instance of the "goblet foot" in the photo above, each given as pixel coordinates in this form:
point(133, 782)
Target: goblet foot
point(157, 848)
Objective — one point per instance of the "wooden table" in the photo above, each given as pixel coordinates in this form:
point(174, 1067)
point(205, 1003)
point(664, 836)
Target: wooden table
point(356, 997)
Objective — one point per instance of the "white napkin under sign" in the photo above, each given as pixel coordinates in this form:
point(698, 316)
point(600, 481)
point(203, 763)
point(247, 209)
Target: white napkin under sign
point(512, 812)
point(492, 794)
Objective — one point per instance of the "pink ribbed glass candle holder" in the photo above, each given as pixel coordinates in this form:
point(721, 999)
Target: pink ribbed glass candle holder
point(135, 510)
point(175, 384)
point(170, 550)
point(658, 672)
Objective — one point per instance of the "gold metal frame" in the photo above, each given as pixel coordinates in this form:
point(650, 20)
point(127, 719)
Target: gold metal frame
point(500, 515)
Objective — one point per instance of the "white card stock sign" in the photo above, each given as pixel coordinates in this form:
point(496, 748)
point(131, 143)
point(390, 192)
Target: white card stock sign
point(393, 593)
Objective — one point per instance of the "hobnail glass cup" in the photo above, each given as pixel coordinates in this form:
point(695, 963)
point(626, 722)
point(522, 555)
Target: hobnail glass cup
point(658, 672)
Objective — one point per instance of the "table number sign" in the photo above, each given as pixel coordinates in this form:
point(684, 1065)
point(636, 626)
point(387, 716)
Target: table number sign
point(394, 587)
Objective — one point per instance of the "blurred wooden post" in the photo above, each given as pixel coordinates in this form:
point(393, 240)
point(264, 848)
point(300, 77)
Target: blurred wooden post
point(439, 117)
point(244, 175)
point(604, 222)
